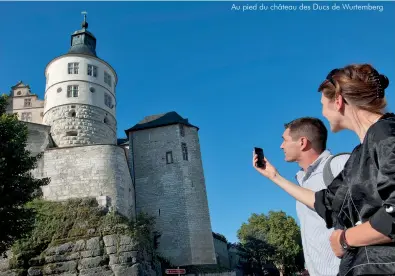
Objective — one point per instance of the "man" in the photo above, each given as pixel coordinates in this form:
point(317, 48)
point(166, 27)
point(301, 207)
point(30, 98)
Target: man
point(304, 142)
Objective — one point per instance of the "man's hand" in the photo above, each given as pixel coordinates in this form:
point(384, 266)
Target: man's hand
point(335, 243)
point(267, 170)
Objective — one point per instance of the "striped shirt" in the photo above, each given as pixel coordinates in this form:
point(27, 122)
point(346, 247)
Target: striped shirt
point(319, 257)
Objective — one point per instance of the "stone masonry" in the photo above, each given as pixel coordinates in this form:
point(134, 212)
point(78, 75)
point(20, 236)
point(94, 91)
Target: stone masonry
point(174, 193)
point(76, 124)
point(111, 255)
point(39, 138)
point(88, 171)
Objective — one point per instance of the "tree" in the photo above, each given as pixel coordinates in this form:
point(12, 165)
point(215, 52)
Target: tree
point(258, 254)
point(279, 231)
point(17, 185)
point(220, 237)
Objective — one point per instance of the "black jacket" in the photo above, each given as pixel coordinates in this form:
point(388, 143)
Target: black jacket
point(365, 191)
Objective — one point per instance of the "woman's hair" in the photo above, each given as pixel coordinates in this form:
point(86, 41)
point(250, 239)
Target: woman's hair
point(359, 84)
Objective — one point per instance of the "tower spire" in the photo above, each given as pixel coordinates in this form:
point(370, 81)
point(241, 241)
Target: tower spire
point(85, 23)
point(83, 41)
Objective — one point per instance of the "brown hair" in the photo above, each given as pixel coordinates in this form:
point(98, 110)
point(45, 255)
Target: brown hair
point(313, 128)
point(359, 84)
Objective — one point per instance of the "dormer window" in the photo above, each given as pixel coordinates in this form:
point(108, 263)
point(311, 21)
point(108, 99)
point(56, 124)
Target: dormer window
point(73, 68)
point(107, 78)
point(92, 70)
point(28, 103)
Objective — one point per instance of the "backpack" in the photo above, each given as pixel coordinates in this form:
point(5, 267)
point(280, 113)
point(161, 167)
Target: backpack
point(327, 171)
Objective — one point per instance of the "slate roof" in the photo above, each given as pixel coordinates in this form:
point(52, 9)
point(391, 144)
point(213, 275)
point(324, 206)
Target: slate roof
point(82, 49)
point(153, 121)
point(122, 141)
point(88, 45)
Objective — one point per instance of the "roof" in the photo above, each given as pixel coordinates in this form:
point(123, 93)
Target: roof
point(85, 42)
point(160, 120)
point(82, 49)
point(20, 84)
point(122, 141)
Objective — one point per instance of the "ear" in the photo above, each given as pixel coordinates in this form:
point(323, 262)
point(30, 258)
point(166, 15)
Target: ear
point(339, 102)
point(303, 142)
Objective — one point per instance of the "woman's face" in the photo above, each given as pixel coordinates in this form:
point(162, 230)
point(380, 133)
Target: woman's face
point(330, 110)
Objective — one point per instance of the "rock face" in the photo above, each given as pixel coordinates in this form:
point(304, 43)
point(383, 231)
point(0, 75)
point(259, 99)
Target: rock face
point(111, 255)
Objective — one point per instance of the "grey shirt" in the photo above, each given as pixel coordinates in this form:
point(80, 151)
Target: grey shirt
point(319, 257)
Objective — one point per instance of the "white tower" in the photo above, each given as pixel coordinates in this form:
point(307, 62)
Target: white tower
point(80, 95)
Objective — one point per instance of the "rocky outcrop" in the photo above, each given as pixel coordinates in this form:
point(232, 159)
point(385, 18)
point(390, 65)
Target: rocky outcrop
point(111, 255)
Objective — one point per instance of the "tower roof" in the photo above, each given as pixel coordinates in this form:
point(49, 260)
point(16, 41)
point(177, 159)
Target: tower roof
point(83, 41)
point(159, 120)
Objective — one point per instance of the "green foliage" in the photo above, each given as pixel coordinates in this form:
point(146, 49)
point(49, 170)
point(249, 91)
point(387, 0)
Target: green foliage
point(74, 219)
point(17, 185)
point(259, 252)
point(280, 235)
point(220, 237)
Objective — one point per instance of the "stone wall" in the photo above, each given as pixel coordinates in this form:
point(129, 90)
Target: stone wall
point(88, 171)
point(174, 193)
point(221, 250)
point(111, 255)
point(77, 124)
point(39, 138)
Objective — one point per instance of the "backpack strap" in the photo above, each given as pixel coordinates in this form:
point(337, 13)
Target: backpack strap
point(327, 171)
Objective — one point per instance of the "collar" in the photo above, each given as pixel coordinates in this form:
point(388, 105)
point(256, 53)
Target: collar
point(323, 156)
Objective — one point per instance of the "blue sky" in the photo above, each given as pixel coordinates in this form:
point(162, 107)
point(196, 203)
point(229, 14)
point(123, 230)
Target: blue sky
point(239, 76)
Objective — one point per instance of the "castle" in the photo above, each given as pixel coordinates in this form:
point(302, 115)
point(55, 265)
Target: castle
point(157, 169)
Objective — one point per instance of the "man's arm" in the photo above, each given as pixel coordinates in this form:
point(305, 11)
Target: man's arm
point(301, 194)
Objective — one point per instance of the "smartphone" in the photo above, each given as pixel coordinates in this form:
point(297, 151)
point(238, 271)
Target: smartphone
point(260, 161)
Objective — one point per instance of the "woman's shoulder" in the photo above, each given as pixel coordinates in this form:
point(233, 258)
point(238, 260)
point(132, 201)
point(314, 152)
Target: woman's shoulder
point(383, 129)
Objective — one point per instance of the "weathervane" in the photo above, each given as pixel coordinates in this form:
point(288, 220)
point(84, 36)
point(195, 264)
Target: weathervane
point(84, 24)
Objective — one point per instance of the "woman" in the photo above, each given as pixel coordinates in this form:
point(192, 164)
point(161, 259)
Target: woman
point(360, 202)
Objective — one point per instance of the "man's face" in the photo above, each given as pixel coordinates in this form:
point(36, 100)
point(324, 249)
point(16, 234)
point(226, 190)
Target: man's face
point(291, 148)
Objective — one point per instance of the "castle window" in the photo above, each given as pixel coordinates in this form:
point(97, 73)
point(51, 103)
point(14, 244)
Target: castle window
point(59, 89)
point(184, 151)
point(73, 67)
point(107, 78)
point(92, 70)
point(169, 157)
point(19, 93)
point(28, 102)
point(72, 91)
point(107, 100)
point(72, 113)
point(106, 120)
point(26, 116)
point(182, 131)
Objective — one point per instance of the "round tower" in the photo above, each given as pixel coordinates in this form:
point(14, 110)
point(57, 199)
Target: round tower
point(80, 94)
